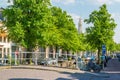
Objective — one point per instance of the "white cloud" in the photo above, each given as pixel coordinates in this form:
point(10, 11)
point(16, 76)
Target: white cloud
point(104, 1)
point(100, 2)
point(117, 36)
point(82, 2)
point(117, 0)
point(69, 1)
point(75, 18)
point(116, 17)
point(4, 3)
point(64, 1)
point(96, 2)
point(56, 1)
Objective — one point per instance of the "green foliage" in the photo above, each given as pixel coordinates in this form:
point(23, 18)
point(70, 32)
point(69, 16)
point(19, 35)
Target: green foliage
point(35, 22)
point(118, 47)
point(103, 27)
point(111, 45)
point(69, 38)
point(26, 20)
point(13, 62)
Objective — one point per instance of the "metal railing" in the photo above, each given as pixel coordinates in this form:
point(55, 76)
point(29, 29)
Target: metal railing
point(39, 58)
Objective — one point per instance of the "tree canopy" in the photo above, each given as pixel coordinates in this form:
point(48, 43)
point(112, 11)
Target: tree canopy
point(102, 29)
point(67, 29)
point(26, 20)
point(36, 22)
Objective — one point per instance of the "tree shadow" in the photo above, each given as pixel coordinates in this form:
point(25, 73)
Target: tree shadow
point(62, 79)
point(24, 79)
point(89, 76)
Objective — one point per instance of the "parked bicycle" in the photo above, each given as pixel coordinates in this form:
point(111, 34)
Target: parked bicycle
point(93, 66)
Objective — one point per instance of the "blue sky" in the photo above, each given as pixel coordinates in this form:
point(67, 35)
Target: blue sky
point(82, 8)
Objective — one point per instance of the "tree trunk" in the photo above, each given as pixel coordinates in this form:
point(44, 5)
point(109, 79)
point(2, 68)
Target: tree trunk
point(99, 53)
point(29, 55)
point(60, 52)
point(47, 52)
point(36, 54)
point(54, 52)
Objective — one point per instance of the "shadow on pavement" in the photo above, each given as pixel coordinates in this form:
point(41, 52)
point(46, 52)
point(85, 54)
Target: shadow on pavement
point(85, 76)
point(23, 79)
point(62, 79)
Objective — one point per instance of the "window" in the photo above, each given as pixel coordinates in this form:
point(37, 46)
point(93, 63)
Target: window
point(4, 50)
point(0, 55)
point(0, 52)
point(42, 49)
point(0, 38)
point(8, 40)
point(4, 39)
point(13, 48)
point(8, 50)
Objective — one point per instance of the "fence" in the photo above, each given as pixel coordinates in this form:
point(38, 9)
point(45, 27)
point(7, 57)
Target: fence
point(39, 58)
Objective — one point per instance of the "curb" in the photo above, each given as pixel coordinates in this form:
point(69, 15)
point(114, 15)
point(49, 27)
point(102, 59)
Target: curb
point(5, 67)
point(48, 69)
point(34, 68)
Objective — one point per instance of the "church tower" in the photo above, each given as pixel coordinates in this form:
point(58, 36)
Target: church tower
point(80, 26)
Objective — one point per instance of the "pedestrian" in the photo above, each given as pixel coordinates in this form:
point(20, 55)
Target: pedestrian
point(105, 61)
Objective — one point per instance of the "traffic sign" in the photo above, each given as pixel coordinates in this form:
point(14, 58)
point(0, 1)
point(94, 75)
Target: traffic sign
point(103, 50)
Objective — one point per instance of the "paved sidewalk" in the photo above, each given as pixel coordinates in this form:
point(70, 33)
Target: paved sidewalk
point(113, 66)
point(113, 69)
point(70, 73)
point(111, 72)
point(57, 69)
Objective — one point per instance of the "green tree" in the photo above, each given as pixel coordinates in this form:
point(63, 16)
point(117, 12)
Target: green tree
point(102, 29)
point(33, 23)
point(111, 46)
point(30, 23)
point(68, 32)
point(26, 21)
point(118, 47)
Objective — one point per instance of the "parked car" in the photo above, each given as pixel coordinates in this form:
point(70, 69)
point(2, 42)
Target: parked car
point(118, 55)
point(47, 61)
point(1, 64)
